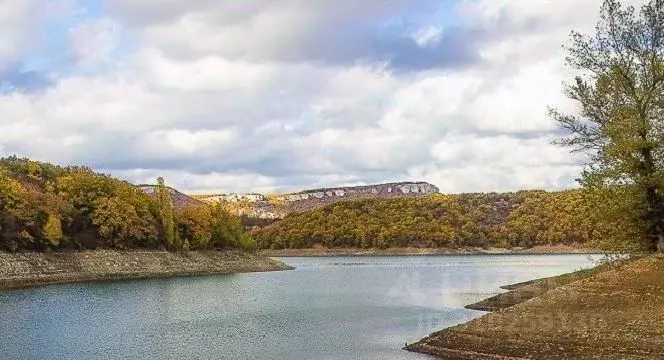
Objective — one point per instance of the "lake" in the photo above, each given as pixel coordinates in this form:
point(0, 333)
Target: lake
point(328, 308)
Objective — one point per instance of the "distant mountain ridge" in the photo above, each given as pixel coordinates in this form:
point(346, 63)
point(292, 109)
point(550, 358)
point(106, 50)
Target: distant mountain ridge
point(313, 199)
point(279, 205)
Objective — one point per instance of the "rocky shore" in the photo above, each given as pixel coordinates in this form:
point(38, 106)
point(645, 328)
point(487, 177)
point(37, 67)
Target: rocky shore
point(525, 291)
point(614, 313)
point(29, 269)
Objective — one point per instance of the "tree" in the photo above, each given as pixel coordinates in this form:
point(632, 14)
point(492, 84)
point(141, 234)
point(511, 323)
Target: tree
point(194, 225)
point(11, 201)
point(226, 228)
point(52, 232)
point(620, 90)
point(42, 205)
point(11, 194)
point(166, 213)
point(83, 188)
point(119, 224)
point(246, 242)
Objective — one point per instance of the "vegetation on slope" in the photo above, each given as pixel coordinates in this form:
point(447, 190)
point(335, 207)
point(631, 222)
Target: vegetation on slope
point(44, 206)
point(520, 219)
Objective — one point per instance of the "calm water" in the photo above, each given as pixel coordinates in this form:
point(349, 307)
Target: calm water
point(328, 308)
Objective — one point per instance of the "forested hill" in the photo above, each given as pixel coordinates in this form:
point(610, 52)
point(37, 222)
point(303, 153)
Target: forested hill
point(45, 206)
point(525, 218)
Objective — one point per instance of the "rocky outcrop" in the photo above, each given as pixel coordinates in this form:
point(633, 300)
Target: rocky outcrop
point(29, 269)
point(313, 199)
point(232, 197)
point(276, 207)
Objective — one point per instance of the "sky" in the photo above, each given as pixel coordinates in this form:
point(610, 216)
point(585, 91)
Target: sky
point(282, 95)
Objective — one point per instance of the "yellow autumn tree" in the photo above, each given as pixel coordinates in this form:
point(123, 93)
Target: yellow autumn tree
point(52, 231)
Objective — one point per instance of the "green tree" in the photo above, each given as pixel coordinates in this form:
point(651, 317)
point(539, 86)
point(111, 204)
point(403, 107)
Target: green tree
point(246, 242)
point(166, 214)
point(620, 90)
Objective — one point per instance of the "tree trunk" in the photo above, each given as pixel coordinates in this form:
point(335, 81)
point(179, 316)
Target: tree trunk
point(654, 215)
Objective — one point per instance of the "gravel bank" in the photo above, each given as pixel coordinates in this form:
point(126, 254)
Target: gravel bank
point(30, 269)
point(615, 314)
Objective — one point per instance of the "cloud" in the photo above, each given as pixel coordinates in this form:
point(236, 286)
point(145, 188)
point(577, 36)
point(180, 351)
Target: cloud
point(94, 41)
point(210, 182)
point(264, 95)
point(15, 29)
point(330, 32)
point(498, 151)
point(477, 178)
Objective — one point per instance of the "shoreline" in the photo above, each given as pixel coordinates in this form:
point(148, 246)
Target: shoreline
point(524, 291)
point(30, 269)
point(325, 252)
point(599, 313)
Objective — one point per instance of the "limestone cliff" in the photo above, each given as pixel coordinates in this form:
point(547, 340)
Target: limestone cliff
point(312, 199)
point(278, 206)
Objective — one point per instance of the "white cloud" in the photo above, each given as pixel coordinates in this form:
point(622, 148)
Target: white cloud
point(519, 101)
point(499, 151)
point(202, 183)
point(427, 36)
point(16, 27)
point(338, 32)
point(471, 163)
point(481, 178)
point(207, 73)
point(170, 143)
point(238, 103)
point(94, 41)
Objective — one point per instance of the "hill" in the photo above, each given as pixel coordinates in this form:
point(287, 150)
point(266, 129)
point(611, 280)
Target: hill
point(48, 207)
point(276, 206)
point(521, 219)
